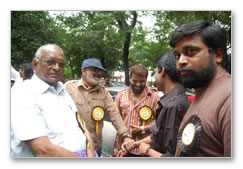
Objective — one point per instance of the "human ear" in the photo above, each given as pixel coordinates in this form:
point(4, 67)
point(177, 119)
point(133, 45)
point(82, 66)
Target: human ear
point(34, 64)
point(219, 53)
point(83, 71)
point(163, 72)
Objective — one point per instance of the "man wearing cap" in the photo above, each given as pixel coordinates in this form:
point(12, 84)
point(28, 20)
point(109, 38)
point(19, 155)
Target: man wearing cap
point(93, 100)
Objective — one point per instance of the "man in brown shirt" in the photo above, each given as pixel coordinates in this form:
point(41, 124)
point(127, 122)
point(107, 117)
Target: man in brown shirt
point(93, 101)
point(200, 50)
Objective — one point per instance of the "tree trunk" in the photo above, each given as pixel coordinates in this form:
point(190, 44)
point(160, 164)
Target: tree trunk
point(102, 57)
point(127, 29)
point(125, 57)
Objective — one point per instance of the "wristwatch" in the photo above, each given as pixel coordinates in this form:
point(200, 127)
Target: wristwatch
point(143, 130)
point(126, 135)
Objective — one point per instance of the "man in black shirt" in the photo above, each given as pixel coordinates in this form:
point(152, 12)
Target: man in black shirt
point(172, 108)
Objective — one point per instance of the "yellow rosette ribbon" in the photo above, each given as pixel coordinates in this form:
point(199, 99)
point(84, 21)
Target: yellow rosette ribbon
point(97, 115)
point(145, 113)
point(82, 125)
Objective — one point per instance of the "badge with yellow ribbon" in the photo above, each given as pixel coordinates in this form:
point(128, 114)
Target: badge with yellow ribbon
point(145, 113)
point(81, 126)
point(97, 115)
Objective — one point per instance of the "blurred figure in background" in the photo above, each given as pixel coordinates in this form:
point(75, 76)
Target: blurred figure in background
point(28, 71)
point(107, 80)
point(25, 72)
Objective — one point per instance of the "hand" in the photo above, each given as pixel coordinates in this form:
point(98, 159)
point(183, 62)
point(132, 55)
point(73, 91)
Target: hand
point(143, 148)
point(135, 129)
point(121, 153)
point(127, 144)
point(136, 144)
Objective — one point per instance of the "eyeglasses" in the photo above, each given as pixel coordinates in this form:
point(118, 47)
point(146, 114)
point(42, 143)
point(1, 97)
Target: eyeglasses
point(96, 70)
point(51, 62)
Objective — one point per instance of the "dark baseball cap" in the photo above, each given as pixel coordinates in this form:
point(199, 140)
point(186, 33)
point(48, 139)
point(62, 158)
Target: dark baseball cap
point(93, 62)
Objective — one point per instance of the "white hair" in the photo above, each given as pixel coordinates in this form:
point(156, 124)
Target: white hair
point(48, 47)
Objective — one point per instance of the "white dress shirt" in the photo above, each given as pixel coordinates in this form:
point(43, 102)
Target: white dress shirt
point(41, 110)
point(14, 74)
point(18, 80)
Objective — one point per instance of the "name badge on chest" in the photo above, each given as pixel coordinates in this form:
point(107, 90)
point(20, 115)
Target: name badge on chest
point(145, 113)
point(189, 135)
point(97, 114)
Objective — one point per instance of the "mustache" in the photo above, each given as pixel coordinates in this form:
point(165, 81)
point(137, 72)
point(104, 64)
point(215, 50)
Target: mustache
point(185, 69)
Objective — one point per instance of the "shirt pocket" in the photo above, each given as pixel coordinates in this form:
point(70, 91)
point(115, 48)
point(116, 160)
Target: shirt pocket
point(83, 106)
point(158, 138)
point(100, 101)
point(125, 109)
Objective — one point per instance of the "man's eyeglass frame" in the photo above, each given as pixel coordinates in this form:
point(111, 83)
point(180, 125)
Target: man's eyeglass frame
point(51, 62)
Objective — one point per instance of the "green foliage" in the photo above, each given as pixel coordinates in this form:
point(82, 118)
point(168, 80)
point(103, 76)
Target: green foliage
point(91, 34)
point(30, 30)
point(167, 21)
point(103, 35)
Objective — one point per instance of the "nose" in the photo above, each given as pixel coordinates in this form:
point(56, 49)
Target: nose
point(182, 61)
point(138, 84)
point(56, 66)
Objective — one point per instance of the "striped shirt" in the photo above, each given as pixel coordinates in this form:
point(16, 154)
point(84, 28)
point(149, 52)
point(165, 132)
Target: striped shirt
point(130, 113)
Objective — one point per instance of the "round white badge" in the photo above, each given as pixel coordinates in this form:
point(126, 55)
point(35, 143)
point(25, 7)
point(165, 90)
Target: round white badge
point(188, 134)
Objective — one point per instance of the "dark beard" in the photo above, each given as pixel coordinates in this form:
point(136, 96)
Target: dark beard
point(137, 91)
point(198, 79)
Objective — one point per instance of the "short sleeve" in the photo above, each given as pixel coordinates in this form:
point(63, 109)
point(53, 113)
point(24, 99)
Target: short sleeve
point(26, 118)
point(225, 126)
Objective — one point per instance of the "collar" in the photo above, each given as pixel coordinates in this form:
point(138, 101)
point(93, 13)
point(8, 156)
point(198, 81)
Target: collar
point(148, 91)
point(81, 84)
point(40, 86)
point(221, 72)
point(177, 90)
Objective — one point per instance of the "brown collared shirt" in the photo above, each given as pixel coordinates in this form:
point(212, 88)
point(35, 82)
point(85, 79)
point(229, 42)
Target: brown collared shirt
point(87, 100)
point(212, 104)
